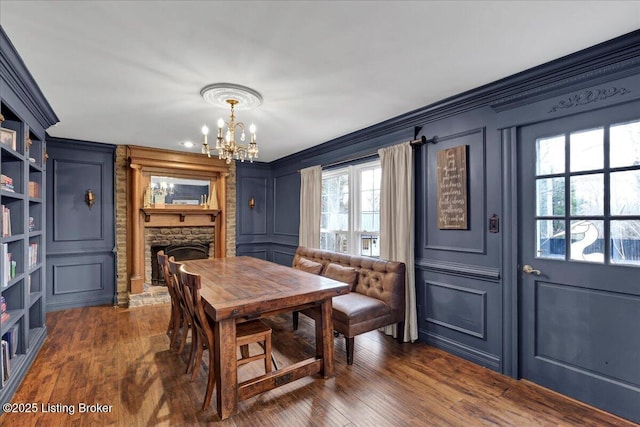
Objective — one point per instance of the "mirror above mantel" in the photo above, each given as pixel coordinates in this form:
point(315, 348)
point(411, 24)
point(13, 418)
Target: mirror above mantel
point(172, 189)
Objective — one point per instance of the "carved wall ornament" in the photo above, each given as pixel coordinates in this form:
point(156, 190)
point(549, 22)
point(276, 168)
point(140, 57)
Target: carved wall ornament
point(589, 96)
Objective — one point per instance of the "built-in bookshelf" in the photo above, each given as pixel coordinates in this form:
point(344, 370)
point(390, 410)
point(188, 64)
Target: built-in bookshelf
point(24, 117)
point(22, 327)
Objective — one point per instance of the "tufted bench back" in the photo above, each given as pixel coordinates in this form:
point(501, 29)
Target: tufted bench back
point(376, 278)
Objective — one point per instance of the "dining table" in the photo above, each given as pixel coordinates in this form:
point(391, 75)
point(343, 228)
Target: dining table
point(242, 288)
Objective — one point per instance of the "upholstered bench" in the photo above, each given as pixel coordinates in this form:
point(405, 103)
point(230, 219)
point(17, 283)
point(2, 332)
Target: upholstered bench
point(376, 296)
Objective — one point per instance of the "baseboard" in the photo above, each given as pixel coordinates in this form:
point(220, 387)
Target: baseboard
point(471, 354)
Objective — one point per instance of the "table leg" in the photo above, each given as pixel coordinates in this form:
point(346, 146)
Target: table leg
point(326, 343)
point(226, 368)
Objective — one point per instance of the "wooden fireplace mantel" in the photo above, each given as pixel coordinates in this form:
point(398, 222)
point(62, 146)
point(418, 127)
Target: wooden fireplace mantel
point(167, 216)
point(144, 162)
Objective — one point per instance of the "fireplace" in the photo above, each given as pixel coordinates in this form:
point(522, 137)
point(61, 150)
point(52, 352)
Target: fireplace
point(180, 252)
point(182, 243)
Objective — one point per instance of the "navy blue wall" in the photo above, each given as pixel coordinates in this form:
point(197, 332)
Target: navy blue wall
point(465, 280)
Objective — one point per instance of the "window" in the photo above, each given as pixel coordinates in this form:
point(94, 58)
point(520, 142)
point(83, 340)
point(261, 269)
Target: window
point(351, 224)
point(588, 182)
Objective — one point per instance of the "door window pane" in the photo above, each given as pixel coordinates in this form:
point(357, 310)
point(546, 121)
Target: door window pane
point(587, 241)
point(550, 155)
point(587, 194)
point(586, 148)
point(625, 144)
point(551, 239)
point(625, 193)
point(625, 242)
point(550, 196)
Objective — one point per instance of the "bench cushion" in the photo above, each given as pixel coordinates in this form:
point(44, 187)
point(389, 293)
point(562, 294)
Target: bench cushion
point(342, 274)
point(354, 308)
point(309, 266)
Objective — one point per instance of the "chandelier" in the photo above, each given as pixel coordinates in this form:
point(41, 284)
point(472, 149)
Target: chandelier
point(227, 147)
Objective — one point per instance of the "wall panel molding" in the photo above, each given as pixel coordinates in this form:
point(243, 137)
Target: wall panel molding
point(462, 304)
point(467, 270)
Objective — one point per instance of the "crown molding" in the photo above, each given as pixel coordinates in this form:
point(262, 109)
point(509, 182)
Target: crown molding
point(17, 77)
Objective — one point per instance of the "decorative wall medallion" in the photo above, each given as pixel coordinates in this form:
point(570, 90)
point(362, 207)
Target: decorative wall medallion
point(588, 96)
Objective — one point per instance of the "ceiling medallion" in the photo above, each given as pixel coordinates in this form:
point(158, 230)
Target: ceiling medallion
point(218, 94)
point(240, 98)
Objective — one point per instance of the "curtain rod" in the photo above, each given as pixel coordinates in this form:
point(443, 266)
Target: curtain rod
point(349, 160)
point(417, 142)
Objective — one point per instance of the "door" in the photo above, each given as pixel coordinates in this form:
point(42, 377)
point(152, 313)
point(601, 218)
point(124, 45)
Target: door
point(579, 187)
point(80, 234)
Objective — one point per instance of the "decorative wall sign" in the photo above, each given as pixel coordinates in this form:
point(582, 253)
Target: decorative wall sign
point(453, 189)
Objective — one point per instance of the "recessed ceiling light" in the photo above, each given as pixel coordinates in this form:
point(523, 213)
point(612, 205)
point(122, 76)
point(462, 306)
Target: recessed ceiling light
point(188, 144)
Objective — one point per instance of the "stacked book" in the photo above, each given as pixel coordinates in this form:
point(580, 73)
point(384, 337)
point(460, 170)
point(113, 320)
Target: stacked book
point(34, 190)
point(6, 183)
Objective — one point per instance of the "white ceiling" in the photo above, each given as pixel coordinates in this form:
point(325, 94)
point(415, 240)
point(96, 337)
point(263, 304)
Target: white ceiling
point(130, 72)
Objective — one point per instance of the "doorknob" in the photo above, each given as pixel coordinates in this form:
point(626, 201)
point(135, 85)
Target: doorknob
point(530, 270)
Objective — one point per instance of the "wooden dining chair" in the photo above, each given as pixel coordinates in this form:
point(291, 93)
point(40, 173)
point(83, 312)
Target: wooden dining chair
point(187, 319)
point(176, 320)
point(253, 331)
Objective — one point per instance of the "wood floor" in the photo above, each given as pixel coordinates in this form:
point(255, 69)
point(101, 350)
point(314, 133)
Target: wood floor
point(120, 357)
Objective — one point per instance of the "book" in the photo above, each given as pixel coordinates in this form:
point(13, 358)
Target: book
point(33, 254)
point(5, 360)
point(6, 221)
point(34, 189)
point(11, 337)
point(4, 274)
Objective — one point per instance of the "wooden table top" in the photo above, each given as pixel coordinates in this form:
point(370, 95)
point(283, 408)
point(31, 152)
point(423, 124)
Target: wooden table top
point(248, 287)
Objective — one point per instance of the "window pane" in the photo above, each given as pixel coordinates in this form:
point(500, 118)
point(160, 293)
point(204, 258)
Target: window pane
point(550, 239)
point(587, 152)
point(369, 245)
point(587, 241)
point(587, 194)
point(367, 182)
point(550, 197)
point(336, 242)
point(366, 223)
point(625, 144)
point(625, 193)
point(625, 242)
point(366, 201)
point(550, 155)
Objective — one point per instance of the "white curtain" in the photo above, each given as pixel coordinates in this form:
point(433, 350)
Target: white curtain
point(310, 206)
point(397, 225)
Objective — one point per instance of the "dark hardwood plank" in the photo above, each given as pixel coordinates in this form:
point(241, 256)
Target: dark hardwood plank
point(121, 357)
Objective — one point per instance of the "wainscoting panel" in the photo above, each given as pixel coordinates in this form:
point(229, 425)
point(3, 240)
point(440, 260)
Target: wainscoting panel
point(284, 257)
point(461, 313)
point(76, 280)
point(253, 221)
point(286, 195)
point(457, 308)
